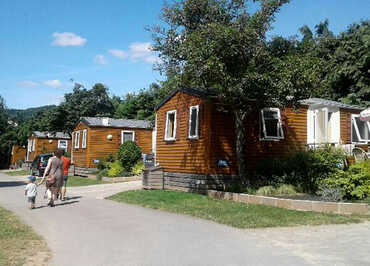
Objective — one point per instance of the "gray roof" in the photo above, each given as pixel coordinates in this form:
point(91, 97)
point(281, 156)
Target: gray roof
point(319, 101)
point(51, 135)
point(119, 123)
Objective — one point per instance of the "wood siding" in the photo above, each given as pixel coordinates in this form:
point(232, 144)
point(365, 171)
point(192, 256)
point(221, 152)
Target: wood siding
point(18, 154)
point(183, 155)
point(98, 147)
point(45, 145)
point(345, 125)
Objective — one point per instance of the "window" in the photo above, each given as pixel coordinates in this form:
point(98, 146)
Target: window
point(360, 129)
point(127, 136)
point(33, 144)
point(170, 132)
point(193, 122)
point(77, 139)
point(271, 128)
point(62, 144)
point(323, 125)
point(84, 138)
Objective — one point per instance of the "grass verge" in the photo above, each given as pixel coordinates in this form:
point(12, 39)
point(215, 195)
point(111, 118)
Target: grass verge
point(227, 212)
point(19, 243)
point(17, 173)
point(76, 181)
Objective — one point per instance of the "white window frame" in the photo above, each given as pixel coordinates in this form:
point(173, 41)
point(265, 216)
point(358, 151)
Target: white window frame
point(77, 139)
point(166, 137)
point(66, 146)
point(357, 131)
point(127, 131)
point(278, 129)
point(84, 139)
point(196, 136)
point(33, 144)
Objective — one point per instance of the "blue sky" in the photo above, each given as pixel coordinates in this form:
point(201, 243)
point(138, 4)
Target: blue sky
point(46, 43)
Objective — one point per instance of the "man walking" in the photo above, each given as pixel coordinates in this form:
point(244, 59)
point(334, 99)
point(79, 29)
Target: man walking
point(66, 165)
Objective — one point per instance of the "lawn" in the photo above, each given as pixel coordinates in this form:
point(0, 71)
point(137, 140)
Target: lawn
point(76, 181)
point(227, 212)
point(18, 242)
point(17, 173)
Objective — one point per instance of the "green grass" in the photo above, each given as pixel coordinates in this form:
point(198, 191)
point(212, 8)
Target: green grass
point(17, 241)
point(76, 181)
point(17, 173)
point(227, 212)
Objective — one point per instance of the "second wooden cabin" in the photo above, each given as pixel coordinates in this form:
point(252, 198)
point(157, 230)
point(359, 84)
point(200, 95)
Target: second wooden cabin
point(18, 156)
point(94, 138)
point(195, 139)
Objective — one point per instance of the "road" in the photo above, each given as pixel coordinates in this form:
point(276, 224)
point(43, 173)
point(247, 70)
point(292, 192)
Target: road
point(87, 230)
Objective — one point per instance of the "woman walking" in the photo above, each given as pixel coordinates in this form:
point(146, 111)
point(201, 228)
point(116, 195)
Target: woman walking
point(54, 176)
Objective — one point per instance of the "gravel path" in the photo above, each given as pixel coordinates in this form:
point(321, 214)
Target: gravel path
point(86, 230)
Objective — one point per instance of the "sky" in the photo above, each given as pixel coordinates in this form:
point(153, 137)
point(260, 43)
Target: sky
point(44, 44)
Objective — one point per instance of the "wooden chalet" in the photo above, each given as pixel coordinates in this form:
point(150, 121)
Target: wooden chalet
point(18, 155)
point(46, 142)
point(94, 138)
point(195, 139)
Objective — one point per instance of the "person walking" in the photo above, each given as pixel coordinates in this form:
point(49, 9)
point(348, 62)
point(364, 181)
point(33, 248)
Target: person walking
point(66, 165)
point(54, 174)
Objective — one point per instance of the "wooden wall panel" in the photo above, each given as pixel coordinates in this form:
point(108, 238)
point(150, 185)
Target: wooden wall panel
point(183, 155)
point(345, 125)
point(18, 154)
point(45, 145)
point(98, 147)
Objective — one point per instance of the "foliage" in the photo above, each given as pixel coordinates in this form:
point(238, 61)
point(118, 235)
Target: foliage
point(227, 212)
point(115, 169)
point(355, 183)
point(102, 173)
point(332, 193)
point(304, 169)
point(266, 191)
point(285, 189)
point(138, 168)
point(129, 154)
point(110, 158)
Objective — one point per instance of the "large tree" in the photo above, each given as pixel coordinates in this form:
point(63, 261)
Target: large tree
point(219, 45)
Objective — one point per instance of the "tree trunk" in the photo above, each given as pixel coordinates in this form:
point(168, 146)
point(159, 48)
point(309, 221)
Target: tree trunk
point(240, 117)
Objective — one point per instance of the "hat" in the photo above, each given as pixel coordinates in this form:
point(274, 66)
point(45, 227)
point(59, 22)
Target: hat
point(32, 178)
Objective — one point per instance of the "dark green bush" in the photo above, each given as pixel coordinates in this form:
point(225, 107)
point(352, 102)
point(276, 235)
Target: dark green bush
point(355, 183)
point(303, 169)
point(129, 154)
point(110, 158)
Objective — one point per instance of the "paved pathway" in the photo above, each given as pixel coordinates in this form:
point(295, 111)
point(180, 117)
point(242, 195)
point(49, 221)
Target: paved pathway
point(89, 231)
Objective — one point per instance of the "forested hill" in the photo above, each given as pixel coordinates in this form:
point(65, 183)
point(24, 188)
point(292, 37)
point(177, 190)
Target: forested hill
point(26, 114)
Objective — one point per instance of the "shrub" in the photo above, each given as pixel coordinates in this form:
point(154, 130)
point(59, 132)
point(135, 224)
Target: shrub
point(285, 189)
point(101, 164)
point(110, 158)
point(330, 193)
point(355, 183)
point(129, 154)
point(138, 168)
point(266, 191)
point(101, 174)
point(115, 169)
point(304, 169)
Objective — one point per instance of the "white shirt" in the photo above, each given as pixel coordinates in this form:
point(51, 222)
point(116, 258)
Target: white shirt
point(31, 189)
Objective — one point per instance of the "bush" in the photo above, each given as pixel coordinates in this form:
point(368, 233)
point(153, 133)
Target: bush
point(138, 168)
point(115, 169)
point(266, 191)
point(355, 183)
point(110, 158)
point(304, 169)
point(330, 193)
point(101, 174)
point(129, 154)
point(285, 189)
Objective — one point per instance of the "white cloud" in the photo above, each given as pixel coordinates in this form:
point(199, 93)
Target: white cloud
point(138, 52)
point(28, 84)
point(118, 53)
point(56, 84)
point(68, 39)
point(100, 59)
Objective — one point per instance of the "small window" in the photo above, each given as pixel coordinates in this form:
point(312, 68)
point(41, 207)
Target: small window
point(360, 130)
point(84, 138)
point(193, 122)
point(170, 132)
point(77, 139)
point(271, 128)
point(62, 144)
point(127, 136)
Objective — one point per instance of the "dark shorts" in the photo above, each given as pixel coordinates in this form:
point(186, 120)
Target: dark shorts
point(65, 179)
point(32, 199)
